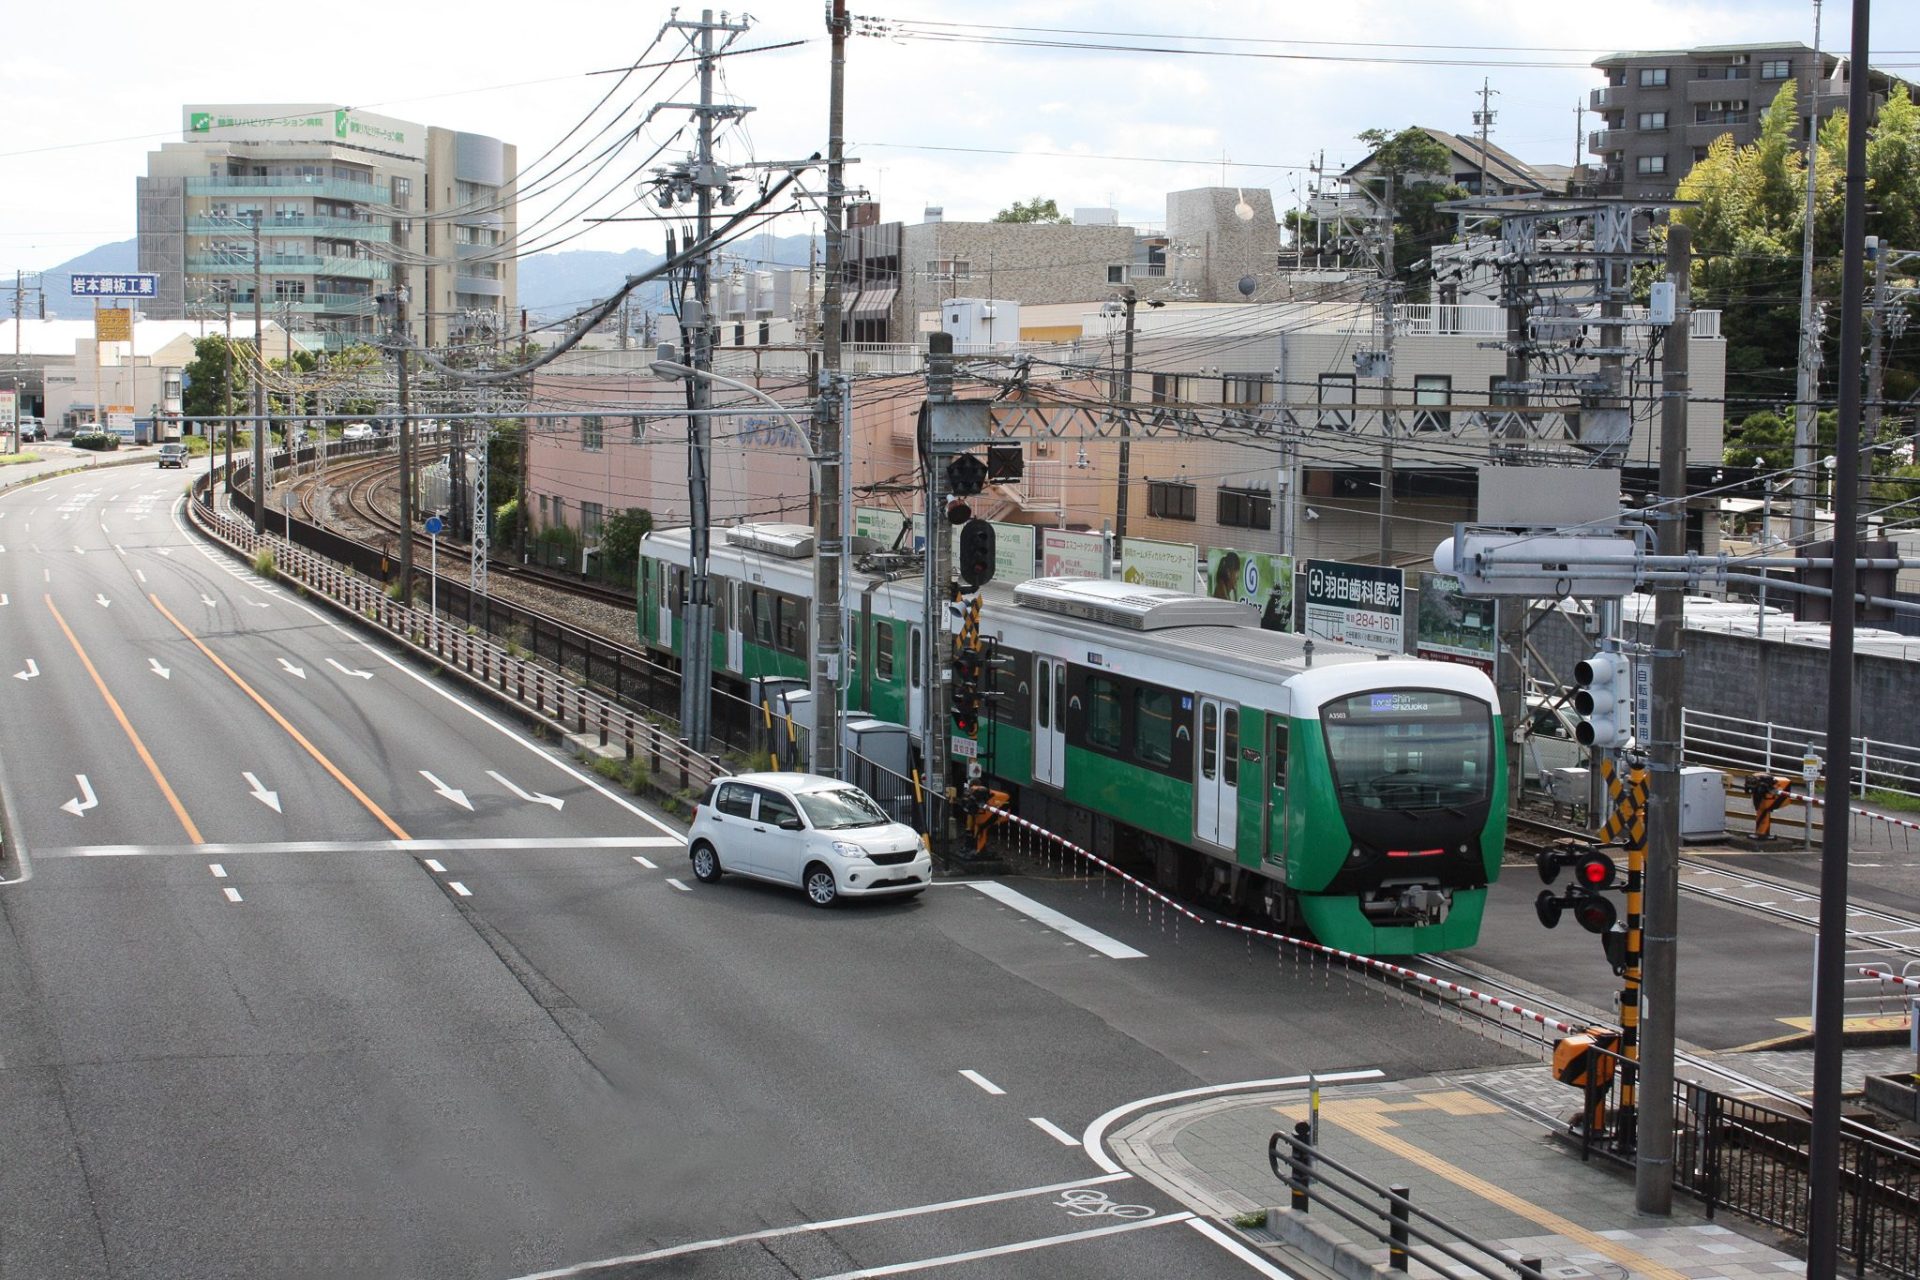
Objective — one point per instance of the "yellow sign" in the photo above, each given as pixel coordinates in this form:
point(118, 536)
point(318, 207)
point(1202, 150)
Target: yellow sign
point(115, 324)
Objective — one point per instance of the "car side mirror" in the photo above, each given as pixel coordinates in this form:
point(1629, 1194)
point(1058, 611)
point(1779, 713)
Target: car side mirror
point(790, 823)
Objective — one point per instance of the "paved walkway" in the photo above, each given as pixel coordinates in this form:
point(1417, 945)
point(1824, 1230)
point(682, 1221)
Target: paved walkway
point(1475, 1149)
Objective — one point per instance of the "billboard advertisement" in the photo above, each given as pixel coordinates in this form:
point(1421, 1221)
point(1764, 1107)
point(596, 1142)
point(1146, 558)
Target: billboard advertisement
point(1158, 564)
point(1065, 554)
point(1253, 577)
point(1358, 604)
point(1013, 549)
point(1453, 626)
point(884, 526)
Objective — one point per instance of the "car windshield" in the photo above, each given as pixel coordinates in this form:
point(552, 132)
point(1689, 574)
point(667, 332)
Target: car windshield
point(841, 810)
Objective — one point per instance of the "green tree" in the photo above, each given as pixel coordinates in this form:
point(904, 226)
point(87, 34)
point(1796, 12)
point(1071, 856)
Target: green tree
point(620, 535)
point(205, 376)
point(1406, 173)
point(1034, 210)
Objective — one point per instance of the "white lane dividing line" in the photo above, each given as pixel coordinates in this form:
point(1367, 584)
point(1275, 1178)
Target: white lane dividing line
point(433, 865)
point(681, 886)
point(233, 894)
point(1259, 1264)
point(1083, 934)
point(1002, 1250)
point(648, 863)
point(983, 1082)
point(459, 888)
point(1054, 1131)
point(219, 872)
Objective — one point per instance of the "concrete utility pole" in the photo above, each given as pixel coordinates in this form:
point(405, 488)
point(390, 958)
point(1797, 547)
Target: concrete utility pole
point(833, 436)
point(1807, 385)
point(1830, 946)
point(259, 391)
point(1876, 373)
point(1389, 421)
point(404, 430)
point(1484, 119)
point(1124, 394)
point(1653, 1153)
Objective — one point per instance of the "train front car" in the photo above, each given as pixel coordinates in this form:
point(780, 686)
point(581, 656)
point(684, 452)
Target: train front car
point(1398, 811)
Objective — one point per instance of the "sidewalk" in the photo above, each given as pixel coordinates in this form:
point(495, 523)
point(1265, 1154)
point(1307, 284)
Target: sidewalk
point(1474, 1150)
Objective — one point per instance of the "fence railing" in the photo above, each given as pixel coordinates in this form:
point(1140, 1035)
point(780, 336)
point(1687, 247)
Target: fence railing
point(1732, 743)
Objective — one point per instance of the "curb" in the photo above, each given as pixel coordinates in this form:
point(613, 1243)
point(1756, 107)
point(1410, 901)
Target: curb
point(1331, 1250)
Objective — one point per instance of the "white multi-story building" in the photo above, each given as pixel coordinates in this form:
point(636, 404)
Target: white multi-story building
point(349, 205)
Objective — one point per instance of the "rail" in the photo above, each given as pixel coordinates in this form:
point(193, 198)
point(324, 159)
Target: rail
point(1387, 1213)
point(566, 703)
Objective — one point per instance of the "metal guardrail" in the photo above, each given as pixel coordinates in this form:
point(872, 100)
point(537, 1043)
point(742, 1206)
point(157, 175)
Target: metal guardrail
point(552, 696)
point(1729, 742)
point(1387, 1213)
point(1753, 1159)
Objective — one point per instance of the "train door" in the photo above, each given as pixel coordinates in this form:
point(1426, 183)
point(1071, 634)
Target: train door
point(733, 607)
point(667, 581)
point(1049, 730)
point(1276, 806)
point(917, 680)
point(1216, 787)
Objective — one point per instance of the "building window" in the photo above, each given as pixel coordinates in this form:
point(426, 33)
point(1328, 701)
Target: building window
point(639, 427)
point(949, 269)
point(593, 433)
point(1653, 119)
point(1116, 273)
point(1776, 69)
point(1244, 388)
point(591, 518)
point(289, 290)
point(1336, 389)
point(1647, 166)
point(1170, 499)
point(1435, 389)
point(402, 187)
point(1245, 508)
point(1653, 77)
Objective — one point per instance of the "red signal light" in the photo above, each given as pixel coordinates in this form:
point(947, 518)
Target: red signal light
point(1594, 871)
point(1595, 915)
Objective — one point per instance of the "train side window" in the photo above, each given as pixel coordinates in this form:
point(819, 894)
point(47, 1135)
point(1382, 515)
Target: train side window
point(1153, 725)
point(1012, 701)
point(1209, 741)
point(793, 625)
point(851, 636)
point(1103, 714)
point(916, 668)
point(762, 605)
point(1230, 747)
point(1044, 694)
point(883, 649)
point(1277, 756)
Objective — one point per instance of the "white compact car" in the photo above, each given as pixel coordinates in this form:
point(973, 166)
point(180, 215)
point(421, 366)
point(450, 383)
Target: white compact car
point(819, 834)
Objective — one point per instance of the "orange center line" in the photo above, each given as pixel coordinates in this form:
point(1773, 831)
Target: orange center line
point(352, 789)
point(113, 704)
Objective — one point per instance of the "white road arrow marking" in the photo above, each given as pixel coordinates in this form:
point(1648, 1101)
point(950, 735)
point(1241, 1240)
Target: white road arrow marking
point(85, 800)
point(542, 798)
point(293, 670)
point(165, 551)
point(79, 550)
point(258, 604)
point(164, 673)
point(452, 793)
point(29, 673)
point(345, 671)
point(102, 601)
point(271, 799)
point(210, 602)
point(3, 595)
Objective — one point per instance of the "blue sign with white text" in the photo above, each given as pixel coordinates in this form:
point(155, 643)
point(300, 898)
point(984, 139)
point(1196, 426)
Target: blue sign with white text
point(96, 285)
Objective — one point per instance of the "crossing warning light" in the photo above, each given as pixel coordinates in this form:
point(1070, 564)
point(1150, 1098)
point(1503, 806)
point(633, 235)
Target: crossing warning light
point(966, 475)
point(1604, 700)
point(969, 668)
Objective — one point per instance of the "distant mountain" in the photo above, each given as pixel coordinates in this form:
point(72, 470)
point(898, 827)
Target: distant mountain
point(551, 284)
point(61, 304)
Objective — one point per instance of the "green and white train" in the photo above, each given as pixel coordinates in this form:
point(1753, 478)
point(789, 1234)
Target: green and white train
point(1361, 796)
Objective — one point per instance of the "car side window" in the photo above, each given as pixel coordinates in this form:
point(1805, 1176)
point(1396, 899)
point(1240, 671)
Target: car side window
point(735, 800)
point(778, 811)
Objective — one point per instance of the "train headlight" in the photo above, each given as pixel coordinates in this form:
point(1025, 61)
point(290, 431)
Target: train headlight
point(1356, 854)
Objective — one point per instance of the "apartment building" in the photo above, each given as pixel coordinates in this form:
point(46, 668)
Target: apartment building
point(1661, 110)
point(348, 204)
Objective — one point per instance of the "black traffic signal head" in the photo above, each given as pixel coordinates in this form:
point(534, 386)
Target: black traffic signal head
point(1547, 907)
point(966, 475)
point(1592, 869)
point(1614, 943)
point(975, 561)
point(1593, 913)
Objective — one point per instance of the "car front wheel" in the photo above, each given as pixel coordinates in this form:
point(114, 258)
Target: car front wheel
point(822, 889)
point(706, 864)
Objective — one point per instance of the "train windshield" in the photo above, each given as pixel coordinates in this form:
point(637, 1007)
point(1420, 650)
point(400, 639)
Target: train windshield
point(1410, 749)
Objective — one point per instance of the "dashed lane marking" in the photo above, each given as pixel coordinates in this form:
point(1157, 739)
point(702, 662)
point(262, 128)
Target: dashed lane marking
point(1053, 1131)
point(983, 1082)
point(459, 888)
point(233, 894)
point(433, 865)
point(682, 886)
point(219, 872)
point(648, 863)
point(541, 843)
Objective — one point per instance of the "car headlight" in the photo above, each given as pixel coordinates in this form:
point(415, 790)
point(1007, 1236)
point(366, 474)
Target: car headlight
point(847, 849)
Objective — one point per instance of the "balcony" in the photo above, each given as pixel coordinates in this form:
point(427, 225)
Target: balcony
point(1611, 96)
point(1703, 135)
point(330, 188)
point(1719, 90)
point(201, 264)
point(1602, 142)
point(326, 228)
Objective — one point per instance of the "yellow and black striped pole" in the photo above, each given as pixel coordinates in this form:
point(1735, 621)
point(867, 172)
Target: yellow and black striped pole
point(1627, 824)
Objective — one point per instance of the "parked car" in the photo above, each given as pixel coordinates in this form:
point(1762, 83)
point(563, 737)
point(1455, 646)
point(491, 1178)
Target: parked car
point(817, 834)
point(172, 455)
point(31, 430)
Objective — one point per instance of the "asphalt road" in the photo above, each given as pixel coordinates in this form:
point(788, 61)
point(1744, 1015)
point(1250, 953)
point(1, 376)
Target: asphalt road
point(310, 967)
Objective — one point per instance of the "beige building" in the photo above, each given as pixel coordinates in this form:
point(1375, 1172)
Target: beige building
point(349, 204)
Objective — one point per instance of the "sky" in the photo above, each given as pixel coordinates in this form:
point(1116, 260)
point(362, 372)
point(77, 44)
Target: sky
point(962, 124)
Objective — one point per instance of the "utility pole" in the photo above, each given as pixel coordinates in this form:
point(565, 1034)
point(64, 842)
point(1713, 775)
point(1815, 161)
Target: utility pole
point(1389, 421)
point(832, 434)
point(259, 391)
point(404, 430)
point(1653, 1153)
point(696, 663)
point(1807, 385)
point(1876, 372)
point(1830, 946)
point(1124, 394)
point(1484, 119)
